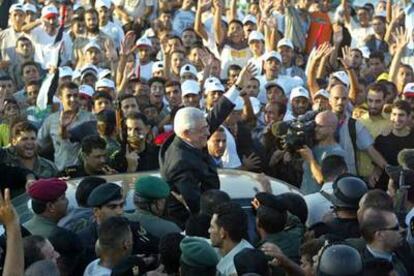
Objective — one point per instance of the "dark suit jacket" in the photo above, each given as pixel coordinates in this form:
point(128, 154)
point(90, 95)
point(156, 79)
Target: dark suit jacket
point(372, 45)
point(402, 254)
point(190, 171)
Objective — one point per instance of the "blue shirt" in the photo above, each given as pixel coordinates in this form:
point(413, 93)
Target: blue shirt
point(309, 184)
point(409, 17)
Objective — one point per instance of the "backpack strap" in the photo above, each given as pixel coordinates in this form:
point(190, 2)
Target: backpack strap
point(352, 134)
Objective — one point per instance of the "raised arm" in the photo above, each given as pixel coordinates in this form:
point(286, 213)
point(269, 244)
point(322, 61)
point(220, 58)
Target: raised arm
point(401, 40)
point(198, 25)
point(312, 67)
point(14, 261)
point(346, 61)
point(232, 14)
point(127, 48)
point(219, 34)
point(347, 14)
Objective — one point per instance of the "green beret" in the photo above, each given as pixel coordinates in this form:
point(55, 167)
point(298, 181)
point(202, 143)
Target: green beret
point(197, 252)
point(103, 194)
point(151, 187)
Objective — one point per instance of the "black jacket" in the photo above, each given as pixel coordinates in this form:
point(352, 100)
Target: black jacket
point(143, 242)
point(190, 171)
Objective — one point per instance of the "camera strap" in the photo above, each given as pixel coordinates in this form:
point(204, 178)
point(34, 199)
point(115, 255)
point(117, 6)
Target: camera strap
point(352, 135)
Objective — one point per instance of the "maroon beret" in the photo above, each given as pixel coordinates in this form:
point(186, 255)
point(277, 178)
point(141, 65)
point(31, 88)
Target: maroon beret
point(47, 190)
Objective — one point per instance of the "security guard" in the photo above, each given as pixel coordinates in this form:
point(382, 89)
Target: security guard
point(276, 225)
point(107, 201)
point(347, 191)
point(150, 198)
point(49, 205)
point(339, 259)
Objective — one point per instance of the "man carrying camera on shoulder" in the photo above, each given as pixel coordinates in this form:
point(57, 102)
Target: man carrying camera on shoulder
point(325, 145)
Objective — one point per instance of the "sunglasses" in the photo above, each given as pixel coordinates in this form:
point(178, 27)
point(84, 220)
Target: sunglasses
point(394, 228)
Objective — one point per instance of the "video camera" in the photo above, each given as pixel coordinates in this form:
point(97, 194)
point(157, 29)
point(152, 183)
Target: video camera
point(299, 132)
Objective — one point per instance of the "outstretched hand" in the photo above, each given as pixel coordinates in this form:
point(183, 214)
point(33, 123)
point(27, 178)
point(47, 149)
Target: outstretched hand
point(246, 75)
point(8, 215)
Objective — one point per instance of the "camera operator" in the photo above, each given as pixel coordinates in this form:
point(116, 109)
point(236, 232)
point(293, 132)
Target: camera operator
point(326, 145)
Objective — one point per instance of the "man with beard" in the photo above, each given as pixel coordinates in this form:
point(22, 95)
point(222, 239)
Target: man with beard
point(138, 153)
point(22, 152)
point(94, 34)
point(94, 155)
point(374, 122)
point(361, 140)
point(300, 101)
point(401, 137)
point(44, 37)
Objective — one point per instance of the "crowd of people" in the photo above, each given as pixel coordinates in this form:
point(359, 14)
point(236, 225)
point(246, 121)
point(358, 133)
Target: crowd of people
point(317, 93)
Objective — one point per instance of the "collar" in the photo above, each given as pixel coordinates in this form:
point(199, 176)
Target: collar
point(379, 254)
point(41, 219)
point(409, 216)
point(226, 261)
point(327, 187)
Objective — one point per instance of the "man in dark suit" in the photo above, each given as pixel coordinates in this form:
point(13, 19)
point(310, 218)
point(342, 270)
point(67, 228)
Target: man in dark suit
point(184, 160)
point(381, 231)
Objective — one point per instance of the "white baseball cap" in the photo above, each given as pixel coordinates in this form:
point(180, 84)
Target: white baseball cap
point(103, 3)
point(299, 91)
point(285, 42)
point(91, 44)
point(88, 69)
point(86, 90)
point(105, 74)
point(65, 71)
point(249, 18)
point(213, 86)
point(49, 11)
point(29, 8)
point(255, 35)
point(157, 66)
point(144, 41)
point(322, 93)
point(107, 83)
point(16, 7)
point(409, 90)
point(190, 87)
point(342, 76)
point(272, 54)
point(188, 68)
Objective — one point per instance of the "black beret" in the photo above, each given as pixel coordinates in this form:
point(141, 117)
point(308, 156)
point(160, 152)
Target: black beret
point(269, 201)
point(103, 194)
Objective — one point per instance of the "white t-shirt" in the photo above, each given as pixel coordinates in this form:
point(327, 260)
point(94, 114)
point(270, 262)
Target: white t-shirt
point(8, 38)
point(145, 71)
point(94, 269)
point(230, 56)
point(115, 32)
point(134, 8)
point(358, 33)
point(258, 62)
point(44, 46)
point(182, 20)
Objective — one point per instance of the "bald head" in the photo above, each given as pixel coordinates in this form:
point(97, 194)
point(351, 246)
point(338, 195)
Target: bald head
point(338, 98)
point(326, 118)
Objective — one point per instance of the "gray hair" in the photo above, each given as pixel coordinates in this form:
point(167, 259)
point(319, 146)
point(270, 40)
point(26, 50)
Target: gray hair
point(186, 119)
